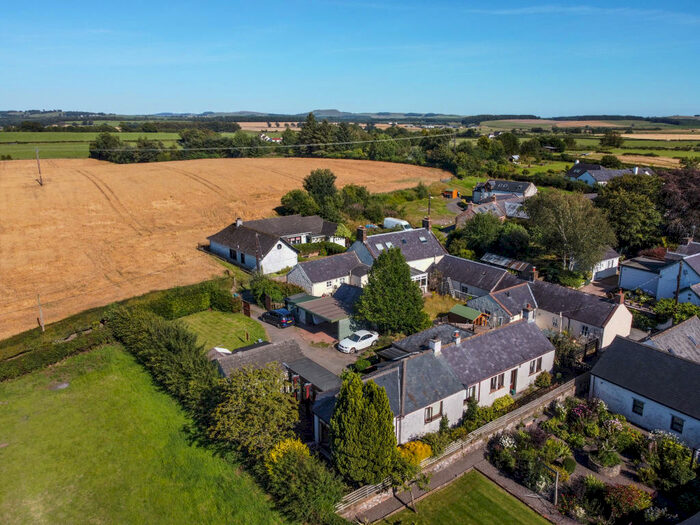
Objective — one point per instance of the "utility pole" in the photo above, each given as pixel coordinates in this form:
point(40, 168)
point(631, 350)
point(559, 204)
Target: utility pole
point(430, 198)
point(40, 180)
point(40, 319)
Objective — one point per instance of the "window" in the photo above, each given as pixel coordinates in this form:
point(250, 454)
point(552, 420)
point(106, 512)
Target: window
point(329, 283)
point(555, 321)
point(638, 407)
point(389, 244)
point(497, 382)
point(431, 415)
point(535, 365)
point(422, 239)
point(677, 424)
point(232, 254)
point(279, 246)
point(584, 330)
point(471, 392)
point(242, 258)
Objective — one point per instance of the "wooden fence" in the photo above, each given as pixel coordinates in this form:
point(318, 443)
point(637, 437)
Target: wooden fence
point(483, 433)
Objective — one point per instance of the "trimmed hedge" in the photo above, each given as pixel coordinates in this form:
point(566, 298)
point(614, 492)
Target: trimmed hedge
point(48, 354)
point(322, 248)
point(223, 301)
point(180, 302)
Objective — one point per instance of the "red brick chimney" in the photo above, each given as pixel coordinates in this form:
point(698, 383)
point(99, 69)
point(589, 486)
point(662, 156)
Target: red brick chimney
point(621, 297)
point(427, 223)
point(361, 233)
point(535, 274)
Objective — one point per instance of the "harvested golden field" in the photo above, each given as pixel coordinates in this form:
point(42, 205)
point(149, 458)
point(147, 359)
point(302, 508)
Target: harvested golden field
point(643, 160)
point(664, 136)
point(563, 123)
point(262, 126)
point(98, 232)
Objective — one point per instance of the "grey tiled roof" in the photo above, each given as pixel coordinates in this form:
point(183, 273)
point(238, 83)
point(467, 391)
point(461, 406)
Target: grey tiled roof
point(691, 248)
point(293, 224)
point(332, 267)
point(259, 355)
point(510, 186)
point(484, 355)
point(657, 375)
point(579, 169)
point(411, 384)
point(476, 274)
point(682, 340)
point(610, 253)
point(419, 342)
point(515, 298)
point(586, 308)
point(647, 264)
point(693, 261)
point(414, 244)
point(322, 378)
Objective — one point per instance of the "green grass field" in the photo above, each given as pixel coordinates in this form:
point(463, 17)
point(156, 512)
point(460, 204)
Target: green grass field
point(111, 448)
point(223, 329)
point(500, 125)
point(471, 500)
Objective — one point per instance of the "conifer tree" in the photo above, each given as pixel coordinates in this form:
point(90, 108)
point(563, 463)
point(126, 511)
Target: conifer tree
point(379, 434)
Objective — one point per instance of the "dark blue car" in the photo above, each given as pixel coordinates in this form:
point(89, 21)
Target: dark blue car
point(281, 317)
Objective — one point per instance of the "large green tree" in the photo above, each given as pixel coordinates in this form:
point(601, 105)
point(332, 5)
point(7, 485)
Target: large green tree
point(570, 227)
point(320, 184)
point(298, 201)
point(363, 441)
point(611, 139)
point(255, 412)
point(478, 234)
point(391, 301)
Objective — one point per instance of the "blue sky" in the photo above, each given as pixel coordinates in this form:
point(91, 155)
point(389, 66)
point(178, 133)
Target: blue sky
point(291, 56)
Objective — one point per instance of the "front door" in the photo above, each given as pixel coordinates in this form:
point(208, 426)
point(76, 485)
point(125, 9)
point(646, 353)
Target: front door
point(513, 380)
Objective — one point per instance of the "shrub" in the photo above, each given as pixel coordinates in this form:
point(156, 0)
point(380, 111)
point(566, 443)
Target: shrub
point(563, 474)
point(670, 460)
point(223, 301)
point(576, 440)
point(543, 380)
point(502, 403)
point(440, 439)
point(554, 450)
point(607, 457)
point(415, 451)
point(305, 488)
point(591, 429)
point(569, 464)
point(361, 365)
point(625, 499)
point(629, 440)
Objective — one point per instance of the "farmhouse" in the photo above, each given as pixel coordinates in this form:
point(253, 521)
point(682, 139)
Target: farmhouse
point(595, 174)
point(585, 316)
point(419, 247)
point(505, 360)
point(297, 229)
point(421, 390)
point(682, 340)
point(324, 276)
point(506, 206)
point(505, 305)
point(651, 388)
point(678, 274)
point(484, 191)
point(464, 279)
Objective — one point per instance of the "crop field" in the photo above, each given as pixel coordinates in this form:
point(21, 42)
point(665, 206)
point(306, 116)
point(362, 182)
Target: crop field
point(547, 124)
point(594, 142)
point(67, 145)
point(98, 232)
point(93, 440)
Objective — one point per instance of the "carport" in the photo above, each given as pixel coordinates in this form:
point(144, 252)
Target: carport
point(327, 310)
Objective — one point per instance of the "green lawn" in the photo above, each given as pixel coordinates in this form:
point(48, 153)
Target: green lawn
point(437, 304)
point(111, 448)
point(223, 329)
point(472, 499)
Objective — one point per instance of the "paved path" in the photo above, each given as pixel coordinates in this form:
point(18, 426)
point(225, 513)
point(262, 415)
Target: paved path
point(328, 357)
point(454, 207)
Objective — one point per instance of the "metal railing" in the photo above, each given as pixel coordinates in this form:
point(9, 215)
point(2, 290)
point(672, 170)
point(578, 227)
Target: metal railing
point(486, 430)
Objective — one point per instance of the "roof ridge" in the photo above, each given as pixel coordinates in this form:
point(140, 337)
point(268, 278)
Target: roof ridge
point(492, 330)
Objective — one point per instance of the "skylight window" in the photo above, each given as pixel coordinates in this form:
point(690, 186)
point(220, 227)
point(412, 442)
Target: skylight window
point(389, 244)
point(423, 239)
point(379, 247)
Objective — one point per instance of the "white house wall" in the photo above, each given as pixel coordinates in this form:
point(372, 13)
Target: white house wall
point(249, 259)
point(281, 256)
point(413, 425)
point(606, 268)
point(655, 415)
point(620, 323)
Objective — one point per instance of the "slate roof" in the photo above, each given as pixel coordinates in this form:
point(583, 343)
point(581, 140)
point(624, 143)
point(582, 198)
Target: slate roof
point(419, 342)
point(647, 264)
point(259, 355)
point(510, 186)
point(414, 244)
point(580, 168)
point(489, 353)
point(293, 224)
point(241, 238)
point(332, 267)
point(514, 299)
point(586, 308)
point(506, 262)
point(693, 261)
point(506, 206)
point(691, 248)
point(476, 274)
point(610, 253)
point(322, 378)
point(334, 307)
point(606, 174)
point(411, 384)
point(657, 375)
point(682, 340)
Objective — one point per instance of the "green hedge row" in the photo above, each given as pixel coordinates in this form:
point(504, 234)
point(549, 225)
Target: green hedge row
point(323, 248)
point(187, 300)
point(50, 353)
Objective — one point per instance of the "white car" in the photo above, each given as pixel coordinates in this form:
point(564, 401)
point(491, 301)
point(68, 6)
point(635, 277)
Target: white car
point(358, 341)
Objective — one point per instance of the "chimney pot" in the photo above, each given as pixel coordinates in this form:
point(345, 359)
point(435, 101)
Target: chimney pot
point(239, 222)
point(529, 313)
point(361, 234)
point(457, 337)
point(435, 345)
point(427, 223)
point(535, 274)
